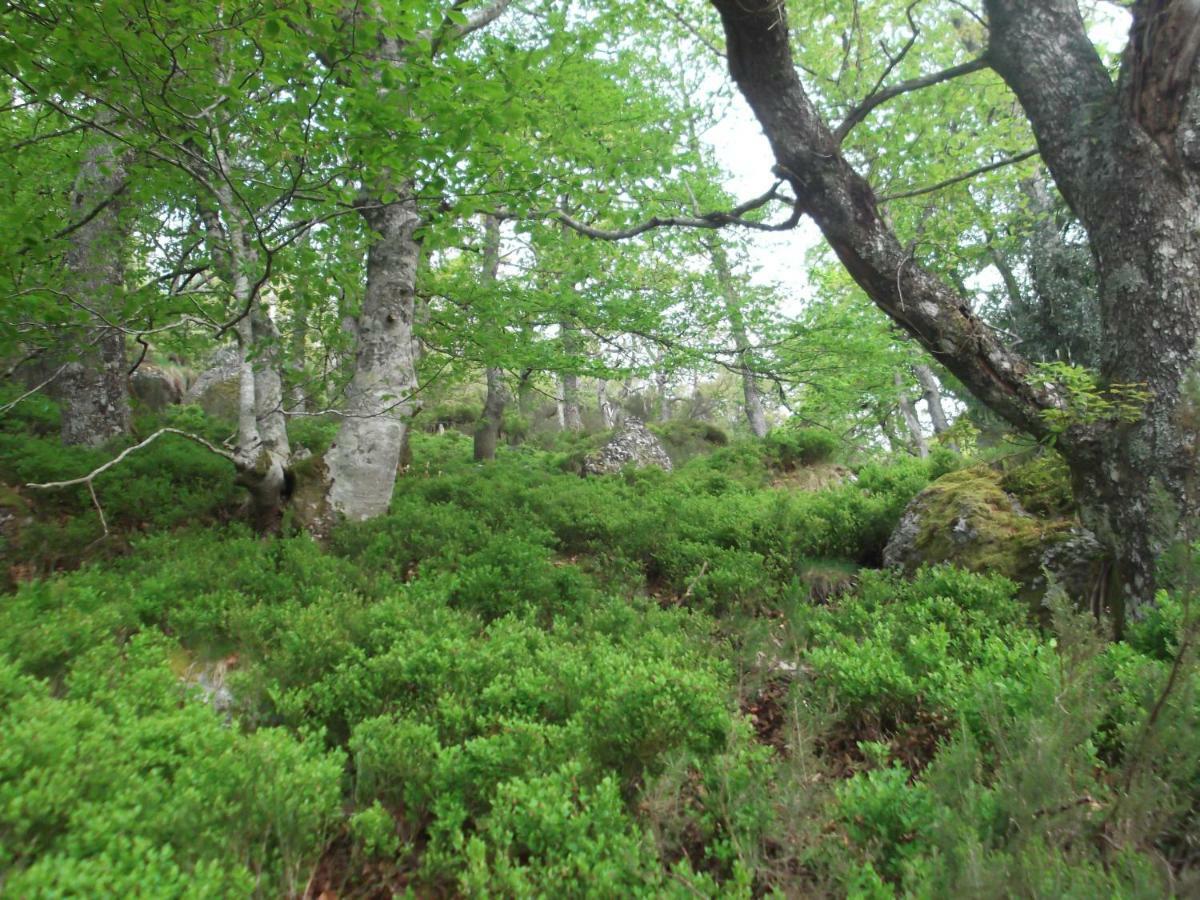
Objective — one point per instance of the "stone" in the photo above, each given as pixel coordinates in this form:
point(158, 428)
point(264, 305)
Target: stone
point(634, 445)
point(216, 389)
point(156, 388)
point(967, 519)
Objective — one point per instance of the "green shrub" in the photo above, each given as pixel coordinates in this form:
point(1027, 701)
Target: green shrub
point(790, 447)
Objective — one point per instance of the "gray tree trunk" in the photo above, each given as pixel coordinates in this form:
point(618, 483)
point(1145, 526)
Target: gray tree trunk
point(908, 410)
point(93, 387)
point(569, 417)
point(931, 392)
point(608, 413)
point(487, 430)
point(752, 396)
point(1127, 159)
point(361, 465)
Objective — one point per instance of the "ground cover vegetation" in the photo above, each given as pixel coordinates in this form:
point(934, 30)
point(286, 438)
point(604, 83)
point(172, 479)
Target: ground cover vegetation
point(521, 682)
point(423, 474)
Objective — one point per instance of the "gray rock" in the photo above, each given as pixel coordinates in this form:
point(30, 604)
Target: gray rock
point(633, 445)
point(156, 388)
point(216, 390)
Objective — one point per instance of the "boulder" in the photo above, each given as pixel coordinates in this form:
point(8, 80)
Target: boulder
point(633, 445)
point(156, 388)
point(216, 389)
point(966, 518)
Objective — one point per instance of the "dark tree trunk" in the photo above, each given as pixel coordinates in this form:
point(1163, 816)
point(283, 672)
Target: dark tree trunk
point(93, 387)
point(1127, 160)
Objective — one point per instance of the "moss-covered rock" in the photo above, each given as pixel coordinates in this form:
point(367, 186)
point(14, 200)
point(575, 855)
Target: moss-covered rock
point(968, 519)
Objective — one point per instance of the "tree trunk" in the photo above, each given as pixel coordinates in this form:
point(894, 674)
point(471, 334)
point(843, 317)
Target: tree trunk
point(751, 394)
point(569, 417)
point(908, 410)
point(608, 415)
point(297, 363)
point(93, 387)
point(487, 430)
point(931, 392)
point(262, 455)
point(1127, 159)
point(361, 464)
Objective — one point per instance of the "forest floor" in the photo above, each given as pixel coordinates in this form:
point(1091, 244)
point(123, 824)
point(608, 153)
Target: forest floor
point(525, 683)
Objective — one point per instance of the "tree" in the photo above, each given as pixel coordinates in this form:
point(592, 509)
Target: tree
point(1126, 157)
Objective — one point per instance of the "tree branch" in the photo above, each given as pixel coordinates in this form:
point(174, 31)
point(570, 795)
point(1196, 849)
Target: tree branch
point(879, 97)
point(844, 206)
point(712, 220)
point(965, 176)
point(91, 476)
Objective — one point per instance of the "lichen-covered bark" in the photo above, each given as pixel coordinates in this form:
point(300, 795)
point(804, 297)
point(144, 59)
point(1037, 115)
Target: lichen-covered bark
point(1131, 180)
point(92, 387)
point(1120, 156)
point(363, 461)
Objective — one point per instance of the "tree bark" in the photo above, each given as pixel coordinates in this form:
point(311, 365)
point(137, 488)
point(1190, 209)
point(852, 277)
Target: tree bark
point(569, 417)
point(487, 430)
point(262, 455)
point(608, 414)
point(362, 463)
point(751, 395)
point(931, 392)
point(93, 387)
point(1125, 158)
point(908, 410)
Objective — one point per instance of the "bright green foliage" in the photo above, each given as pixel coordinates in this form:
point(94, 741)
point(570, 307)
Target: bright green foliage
point(522, 682)
point(122, 778)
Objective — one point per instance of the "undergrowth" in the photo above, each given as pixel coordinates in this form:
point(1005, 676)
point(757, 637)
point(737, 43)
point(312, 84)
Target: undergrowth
point(525, 683)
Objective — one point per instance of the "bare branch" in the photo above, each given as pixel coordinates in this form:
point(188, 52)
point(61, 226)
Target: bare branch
point(716, 219)
point(879, 97)
point(91, 476)
point(965, 176)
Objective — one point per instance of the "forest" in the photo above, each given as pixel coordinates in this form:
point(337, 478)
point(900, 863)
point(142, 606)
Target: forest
point(599, 448)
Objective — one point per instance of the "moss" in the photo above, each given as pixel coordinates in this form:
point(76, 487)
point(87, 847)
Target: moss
point(967, 519)
point(308, 506)
point(221, 400)
point(1042, 485)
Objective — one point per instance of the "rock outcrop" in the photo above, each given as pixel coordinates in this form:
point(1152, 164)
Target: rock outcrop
point(967, 518)
point(156, 388)
point(216, 389)
point(634, 445)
